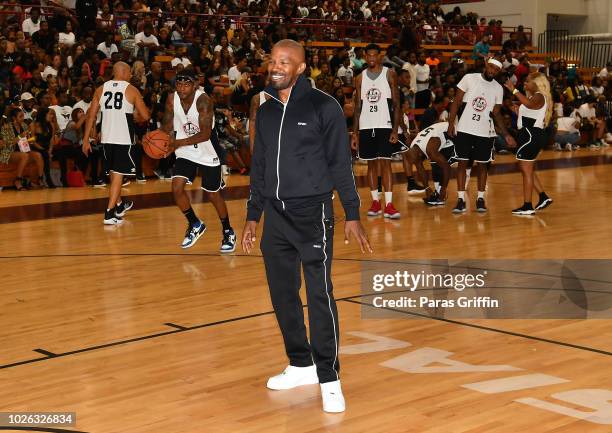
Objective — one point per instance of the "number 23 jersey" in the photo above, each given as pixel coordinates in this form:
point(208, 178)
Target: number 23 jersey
point(117, 114)
point(480, 98)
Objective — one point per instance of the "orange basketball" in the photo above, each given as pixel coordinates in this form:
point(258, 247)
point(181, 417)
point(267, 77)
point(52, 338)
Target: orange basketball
point(155, 144)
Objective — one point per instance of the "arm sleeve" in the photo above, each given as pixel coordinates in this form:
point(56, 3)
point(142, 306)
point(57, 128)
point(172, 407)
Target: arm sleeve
point(338, 155)
point(256, 201)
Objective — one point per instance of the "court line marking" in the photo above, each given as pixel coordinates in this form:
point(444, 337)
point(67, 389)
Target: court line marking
point(346, 259)
point(486, 328)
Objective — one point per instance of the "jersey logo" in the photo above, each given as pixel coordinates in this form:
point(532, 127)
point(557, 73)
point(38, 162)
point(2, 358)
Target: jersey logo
point(373, 95)
point(479, 103)
point(190, 129)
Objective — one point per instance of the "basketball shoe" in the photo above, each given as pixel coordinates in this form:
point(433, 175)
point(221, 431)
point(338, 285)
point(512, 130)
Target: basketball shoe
point(193, 233)
point(122, 208)
point(228, 244)
point(293, 377)
point(375, 209)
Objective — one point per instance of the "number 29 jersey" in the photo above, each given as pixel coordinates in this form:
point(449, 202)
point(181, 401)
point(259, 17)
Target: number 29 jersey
point(480, 98)
point(375, 101)
point(117, 114)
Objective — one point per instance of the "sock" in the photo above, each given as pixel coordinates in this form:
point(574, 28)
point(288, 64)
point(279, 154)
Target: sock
point(461, 195)
point(468, 171)
point(374, 193)
point(528, 205)
point(481, 194)
point(388, 197)
point(410, 179)
point(191, 216)
point(379, 183)
point(437, 186)
point(543, 196)
point(226, 224)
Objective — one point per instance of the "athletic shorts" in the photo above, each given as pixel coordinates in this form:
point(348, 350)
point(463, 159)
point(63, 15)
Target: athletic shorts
point(473, 147)
point(530, 142)
point(448, 153)
point(212, 180)
point(375, 144)
point(121, 158)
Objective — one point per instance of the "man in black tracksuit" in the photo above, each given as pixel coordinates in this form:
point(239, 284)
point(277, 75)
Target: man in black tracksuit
point(301, 154)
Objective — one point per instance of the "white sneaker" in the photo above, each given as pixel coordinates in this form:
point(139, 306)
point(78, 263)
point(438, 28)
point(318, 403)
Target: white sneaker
point(557, 146)
point(333, 400)
point(568, 146)
point(294, 376)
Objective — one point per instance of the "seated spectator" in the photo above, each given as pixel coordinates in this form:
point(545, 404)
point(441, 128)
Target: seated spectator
point(52, 69)
point(146, 43)
point(521, 37)
point(511, 45)
point(31, 25)
point(62, 111)
point(509, 60)
point(235, 72)
point(433, 61)
point(597, 88)
point(432, 114)
point(230, 139)
point(567, 133)
point(345, 72)
point(104, 20)
point(12, 130)
point(46, 137)
point(591, 124)
point(69, 146)
point(128, 35)
point(66, 38)
point(27, 106)
point(481, 49)
point(108, 47)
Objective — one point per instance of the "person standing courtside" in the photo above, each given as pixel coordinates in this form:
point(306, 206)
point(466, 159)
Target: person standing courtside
point(117, 100)
point(483, 97)
point(534, 116)
point(376, 122)
point(301, 154)
point(189, 113)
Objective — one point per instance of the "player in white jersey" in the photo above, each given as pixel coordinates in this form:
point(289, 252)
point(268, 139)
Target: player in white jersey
point(118, 102)
point(376, 121)
point(534, 115)
point(483, 97)
point(434, 144)
point(189, 113)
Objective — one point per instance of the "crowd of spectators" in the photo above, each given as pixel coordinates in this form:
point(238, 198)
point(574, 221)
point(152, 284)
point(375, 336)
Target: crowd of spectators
point(54, 56)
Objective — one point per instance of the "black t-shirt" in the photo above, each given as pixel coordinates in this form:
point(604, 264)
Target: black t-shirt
point(429, 117)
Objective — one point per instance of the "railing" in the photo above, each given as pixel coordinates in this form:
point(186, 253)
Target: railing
point(575, 48)
point(312, 29)
point(451, 34)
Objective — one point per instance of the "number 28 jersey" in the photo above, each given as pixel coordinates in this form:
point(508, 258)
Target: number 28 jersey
point(117, 114)
point(480, 98)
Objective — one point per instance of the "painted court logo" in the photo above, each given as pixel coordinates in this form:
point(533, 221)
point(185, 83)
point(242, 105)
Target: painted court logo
point(373, 95)
point(479, 103)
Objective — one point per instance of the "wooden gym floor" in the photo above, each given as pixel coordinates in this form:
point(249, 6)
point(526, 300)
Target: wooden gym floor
point(121, 326)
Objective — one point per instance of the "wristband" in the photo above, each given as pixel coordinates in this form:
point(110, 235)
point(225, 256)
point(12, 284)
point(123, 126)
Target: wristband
point(515, 91)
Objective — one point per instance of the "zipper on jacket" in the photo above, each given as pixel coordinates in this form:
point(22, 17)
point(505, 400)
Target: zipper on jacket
point(280, 133)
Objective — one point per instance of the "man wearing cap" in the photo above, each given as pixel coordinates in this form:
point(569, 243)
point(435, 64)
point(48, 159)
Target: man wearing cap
point(483, 97)
point(27, 106)
point(190, 114)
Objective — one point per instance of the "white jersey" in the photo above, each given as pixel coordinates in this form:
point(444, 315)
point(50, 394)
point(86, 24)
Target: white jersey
point(117, 114)
point(187, 125)
point(538, 116)
point(262, 98)
point(437, 130)
point(375, 101)
point(480, 97)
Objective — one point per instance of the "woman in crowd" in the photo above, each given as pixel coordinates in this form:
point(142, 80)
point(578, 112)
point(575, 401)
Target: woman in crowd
point(47, 136)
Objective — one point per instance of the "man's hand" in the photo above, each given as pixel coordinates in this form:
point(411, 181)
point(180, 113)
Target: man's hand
point(451, 130)
point(356, 229)
point(510, 141)
point(86, 146)
point(393, 138)
point(249, 236)
point(509, 85)
point(355, 140)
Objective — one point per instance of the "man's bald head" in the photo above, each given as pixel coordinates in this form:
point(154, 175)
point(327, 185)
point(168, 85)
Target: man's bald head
point(295, 48)
point(286, 64)
point(122, 71)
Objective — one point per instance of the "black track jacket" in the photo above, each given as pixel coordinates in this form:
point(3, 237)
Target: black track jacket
point(301, 152)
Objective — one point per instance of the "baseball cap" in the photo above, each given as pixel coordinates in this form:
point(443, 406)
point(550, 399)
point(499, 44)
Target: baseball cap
point(26, 96)
point(186, 75)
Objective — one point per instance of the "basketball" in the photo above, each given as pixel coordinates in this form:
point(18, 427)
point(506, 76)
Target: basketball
point(155, 144)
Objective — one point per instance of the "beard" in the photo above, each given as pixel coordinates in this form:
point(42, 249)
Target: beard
point(282, 84)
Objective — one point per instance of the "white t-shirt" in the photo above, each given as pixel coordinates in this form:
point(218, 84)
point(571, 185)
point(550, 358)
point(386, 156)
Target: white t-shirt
point(180, 61)
point(345, 74)
point(62, 114)
point(27, 26)
point(567, 124)
point(586, 112)
point(151, 39)
point(233, 74)
point(506, 64)
point(108, 51)
point(219, 47)
point(602, 74)
point(422, 74)
point(82, 105)
point(481, 96)
point(597, 91)
point(67, 39)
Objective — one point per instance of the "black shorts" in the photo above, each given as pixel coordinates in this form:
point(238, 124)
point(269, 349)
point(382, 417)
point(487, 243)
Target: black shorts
point(121, 158)
point(473, 147)
point(375, 144)
point(212, 180)
point(448, 153)
point(530, 142)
